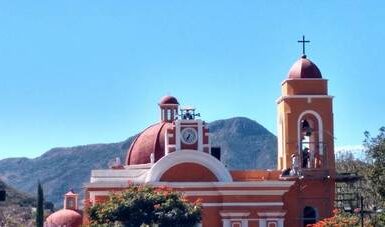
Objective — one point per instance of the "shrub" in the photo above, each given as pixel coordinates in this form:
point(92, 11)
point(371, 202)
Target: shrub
point(146, 205)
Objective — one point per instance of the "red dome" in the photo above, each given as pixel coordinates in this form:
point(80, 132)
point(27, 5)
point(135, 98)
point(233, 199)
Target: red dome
point(304, 68)
point(151, 140)
point(64, 217)
point(169, 100)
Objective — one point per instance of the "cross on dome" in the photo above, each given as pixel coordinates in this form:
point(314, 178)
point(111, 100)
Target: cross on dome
point(303, 41)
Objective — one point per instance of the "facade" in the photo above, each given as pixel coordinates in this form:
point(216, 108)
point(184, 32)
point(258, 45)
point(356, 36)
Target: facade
point(176, 152)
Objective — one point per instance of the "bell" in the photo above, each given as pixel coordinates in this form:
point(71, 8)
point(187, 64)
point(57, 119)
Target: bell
point(308, 131)
point(306, 127)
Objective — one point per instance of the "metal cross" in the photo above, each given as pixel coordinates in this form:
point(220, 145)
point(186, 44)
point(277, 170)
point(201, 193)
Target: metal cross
point(303, 41)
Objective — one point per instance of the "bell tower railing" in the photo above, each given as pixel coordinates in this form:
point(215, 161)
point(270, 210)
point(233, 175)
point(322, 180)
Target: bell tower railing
point(313, 155)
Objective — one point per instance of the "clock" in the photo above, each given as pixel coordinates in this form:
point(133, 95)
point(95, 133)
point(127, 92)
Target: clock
point(189, 135)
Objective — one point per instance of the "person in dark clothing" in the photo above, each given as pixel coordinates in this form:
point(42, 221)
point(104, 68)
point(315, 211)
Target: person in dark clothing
point(305, 157)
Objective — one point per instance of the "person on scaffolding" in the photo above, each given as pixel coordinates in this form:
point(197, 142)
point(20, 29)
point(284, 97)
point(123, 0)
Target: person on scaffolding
point(305, 157)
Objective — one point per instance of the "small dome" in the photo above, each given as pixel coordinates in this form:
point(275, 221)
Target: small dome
point(168, 100)
point(304, 68)
point(151, 140)
point(64, 217)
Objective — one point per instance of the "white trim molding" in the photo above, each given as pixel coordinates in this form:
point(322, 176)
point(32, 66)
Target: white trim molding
point(235, 192)
point(302, 79)
point(234, 184)
point(234, 214)
point(281, 98)
point(271, 214)
point(237, 184)
point(200, 135)
point(188, 156)
point(277, 217)
point(243, 204)
point(177, 135)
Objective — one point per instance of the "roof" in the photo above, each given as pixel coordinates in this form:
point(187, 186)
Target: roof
point(151, 140)
point(71, 193)
point(64, 217)
point(167, 100)
point(304, 68)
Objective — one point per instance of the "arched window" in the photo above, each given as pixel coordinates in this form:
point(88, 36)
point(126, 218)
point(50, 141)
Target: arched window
point(309, 215)
point(310, 140)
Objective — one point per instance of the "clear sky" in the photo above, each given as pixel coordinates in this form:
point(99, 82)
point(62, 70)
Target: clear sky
point(78, 72)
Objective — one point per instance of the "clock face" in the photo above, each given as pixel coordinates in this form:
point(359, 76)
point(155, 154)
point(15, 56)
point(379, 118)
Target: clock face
point(189, 135)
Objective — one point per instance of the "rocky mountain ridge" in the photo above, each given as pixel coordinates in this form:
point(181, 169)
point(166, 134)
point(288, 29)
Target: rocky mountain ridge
point(244, 143)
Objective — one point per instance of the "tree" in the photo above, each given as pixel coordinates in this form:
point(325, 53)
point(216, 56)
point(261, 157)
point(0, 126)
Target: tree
point(371, 185)
point(338, 219)
point(375, 153)
point(146, 205)
point(40, 208)
point(352, 182)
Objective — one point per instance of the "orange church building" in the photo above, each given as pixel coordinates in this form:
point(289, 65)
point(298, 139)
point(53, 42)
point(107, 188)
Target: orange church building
point(176, 152)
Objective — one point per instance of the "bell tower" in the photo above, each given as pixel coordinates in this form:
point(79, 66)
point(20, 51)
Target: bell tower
point(306, 141)
point(305, 122)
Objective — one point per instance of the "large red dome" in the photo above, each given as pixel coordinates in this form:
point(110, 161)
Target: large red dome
point(304, 68)
point(151, 140)
point(64, 217)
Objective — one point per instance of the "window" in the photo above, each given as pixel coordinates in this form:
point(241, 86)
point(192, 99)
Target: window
point(236, 224)
point(70, 203)
point(216, 152)
point(310, 138)
point(309, 215)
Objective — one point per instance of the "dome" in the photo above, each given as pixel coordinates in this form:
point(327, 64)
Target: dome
point(64, 217)
point(166, 100)
point(151, 140)
point(304, 68)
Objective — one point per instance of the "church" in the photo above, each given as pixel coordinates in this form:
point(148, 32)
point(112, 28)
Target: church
point(176, 152)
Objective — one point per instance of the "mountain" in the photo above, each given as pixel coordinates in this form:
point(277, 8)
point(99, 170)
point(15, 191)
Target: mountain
point(244, 144)
point(16, 210)
point(15, 197)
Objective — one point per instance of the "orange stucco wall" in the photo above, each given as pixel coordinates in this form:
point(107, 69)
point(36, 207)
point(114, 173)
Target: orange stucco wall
point(255, 175)
point(188, 172)
point(304, 87)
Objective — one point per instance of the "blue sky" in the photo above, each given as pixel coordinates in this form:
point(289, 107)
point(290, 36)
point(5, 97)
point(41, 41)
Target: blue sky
point(80, 72)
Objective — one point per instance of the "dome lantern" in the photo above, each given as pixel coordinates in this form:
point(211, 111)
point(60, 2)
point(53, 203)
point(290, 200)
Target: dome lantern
point(168, 108)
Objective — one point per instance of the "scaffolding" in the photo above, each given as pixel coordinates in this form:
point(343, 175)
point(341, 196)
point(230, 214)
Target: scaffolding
point(348, 187)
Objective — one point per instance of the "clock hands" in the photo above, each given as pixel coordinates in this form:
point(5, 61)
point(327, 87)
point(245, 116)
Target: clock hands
point(189, 135)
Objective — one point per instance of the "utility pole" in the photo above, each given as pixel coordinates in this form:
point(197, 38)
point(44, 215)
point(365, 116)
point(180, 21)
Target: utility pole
point(362, 211)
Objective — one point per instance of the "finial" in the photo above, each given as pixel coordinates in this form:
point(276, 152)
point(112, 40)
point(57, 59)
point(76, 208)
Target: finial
point(303, 41)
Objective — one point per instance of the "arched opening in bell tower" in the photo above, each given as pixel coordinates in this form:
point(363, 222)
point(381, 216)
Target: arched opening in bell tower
point(310, 140)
